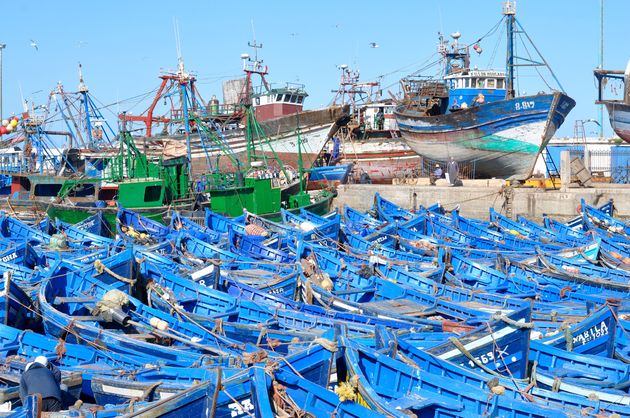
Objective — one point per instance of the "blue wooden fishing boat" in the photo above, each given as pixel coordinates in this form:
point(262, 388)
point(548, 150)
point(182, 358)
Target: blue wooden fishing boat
point(255, 246)
point(354, 217)
point(70, 307)
point(16, 306)
point(337, 173)
point(182, 223)
point(476, 117)
point(152, 384)
point(573, 403)
point(391, 387)
point(97, 225)
point(317, 228)
point(599, 220)
point(132, 226)
point(390, 212)
point(287, 393)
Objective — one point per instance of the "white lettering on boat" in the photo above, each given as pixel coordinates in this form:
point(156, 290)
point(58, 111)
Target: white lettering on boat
point(8, 257)
point(525, 105)
point(87, 225)
point(241, 408)
point(591, 334)
point(379, 239)
point(497, 355)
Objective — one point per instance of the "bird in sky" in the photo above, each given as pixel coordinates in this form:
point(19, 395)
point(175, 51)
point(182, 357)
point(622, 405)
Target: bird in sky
point(373, 45)
point(34, 45)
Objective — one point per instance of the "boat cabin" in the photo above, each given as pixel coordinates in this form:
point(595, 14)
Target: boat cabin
point(378, 116)
point(464, 88)
point(277, 102)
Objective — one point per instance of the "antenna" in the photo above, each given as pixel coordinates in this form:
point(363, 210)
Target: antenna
point(254, 44)
point(24, 104)
point(82, 87)
point(600, 113)
point(178, 45)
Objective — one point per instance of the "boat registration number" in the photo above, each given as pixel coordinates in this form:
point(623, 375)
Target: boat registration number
point(490, 357)
point(8, 257)
point(591, 334)
point(241, 408)
point(525, 105)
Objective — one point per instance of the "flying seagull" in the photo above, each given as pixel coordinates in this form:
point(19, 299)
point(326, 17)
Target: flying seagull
point(373, 45)
point(34, 45)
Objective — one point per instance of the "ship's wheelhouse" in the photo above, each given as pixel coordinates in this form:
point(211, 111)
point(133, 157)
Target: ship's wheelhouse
point(279, 102)
point(464, 88)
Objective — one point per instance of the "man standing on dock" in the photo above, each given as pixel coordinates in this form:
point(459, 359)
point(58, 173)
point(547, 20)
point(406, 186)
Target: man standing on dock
point(452, 168)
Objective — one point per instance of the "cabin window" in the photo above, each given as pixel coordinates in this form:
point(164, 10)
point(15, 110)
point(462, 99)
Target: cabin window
point(293, 99)
point(25, 184)
point(152, 193)
point(500, 83)
point(481, 83)
point(468, 83)
point(492, 83)
point(278, 98)
point(287, 98)
point(257, 101)
point(83, 190)
point(107, 194)
point(300, 99)
point(47, 189)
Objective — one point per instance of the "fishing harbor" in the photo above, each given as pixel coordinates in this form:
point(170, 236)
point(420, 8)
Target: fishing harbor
point(436, 246)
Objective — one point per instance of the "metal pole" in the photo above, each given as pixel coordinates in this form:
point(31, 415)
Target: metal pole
point(601, 63)
point(2, 46)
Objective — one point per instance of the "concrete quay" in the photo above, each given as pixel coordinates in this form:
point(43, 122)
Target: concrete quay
point(477, 196)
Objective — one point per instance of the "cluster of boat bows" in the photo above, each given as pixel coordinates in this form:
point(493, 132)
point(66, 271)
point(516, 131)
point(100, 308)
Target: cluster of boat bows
point(393, 312)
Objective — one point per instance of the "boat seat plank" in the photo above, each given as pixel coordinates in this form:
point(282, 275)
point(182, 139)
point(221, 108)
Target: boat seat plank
point(141, 336)
point(86, 318)
point(398, 306)
point(352, 291)
point(73, 299)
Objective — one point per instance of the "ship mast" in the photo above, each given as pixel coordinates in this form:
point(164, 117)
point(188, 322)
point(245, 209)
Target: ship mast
point(509, 11)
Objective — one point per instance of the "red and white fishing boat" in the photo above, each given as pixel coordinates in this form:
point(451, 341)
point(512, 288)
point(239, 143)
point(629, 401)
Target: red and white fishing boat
point(279, 112)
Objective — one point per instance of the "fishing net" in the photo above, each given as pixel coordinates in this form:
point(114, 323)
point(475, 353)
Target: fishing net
point(112, 300)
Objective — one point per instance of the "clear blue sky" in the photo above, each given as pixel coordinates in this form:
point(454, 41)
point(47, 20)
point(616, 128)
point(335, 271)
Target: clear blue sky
point(123, 45)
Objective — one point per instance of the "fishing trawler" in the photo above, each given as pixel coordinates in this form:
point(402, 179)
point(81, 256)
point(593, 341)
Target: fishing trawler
point(370, 140)
point(86, 168)
point(618, 110)
point(279, 111)
point(475, 116)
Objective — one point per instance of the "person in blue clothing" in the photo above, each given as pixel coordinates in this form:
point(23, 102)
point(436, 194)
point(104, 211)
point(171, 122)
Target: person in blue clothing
point(44, 378)
point(437, 174)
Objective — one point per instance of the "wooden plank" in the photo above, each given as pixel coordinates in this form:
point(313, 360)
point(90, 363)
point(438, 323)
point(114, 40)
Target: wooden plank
point(398, 306)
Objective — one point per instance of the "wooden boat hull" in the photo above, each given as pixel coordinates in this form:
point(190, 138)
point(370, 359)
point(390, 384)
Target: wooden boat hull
point(500, 139)
point(619, 115)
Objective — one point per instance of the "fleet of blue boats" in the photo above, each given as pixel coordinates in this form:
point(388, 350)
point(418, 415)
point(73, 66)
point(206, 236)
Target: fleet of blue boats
point(393, 312)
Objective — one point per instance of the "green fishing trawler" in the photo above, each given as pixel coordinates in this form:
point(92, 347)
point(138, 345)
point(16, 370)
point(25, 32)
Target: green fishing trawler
point(265, 185)
point(157, 180)
point(148, 185)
